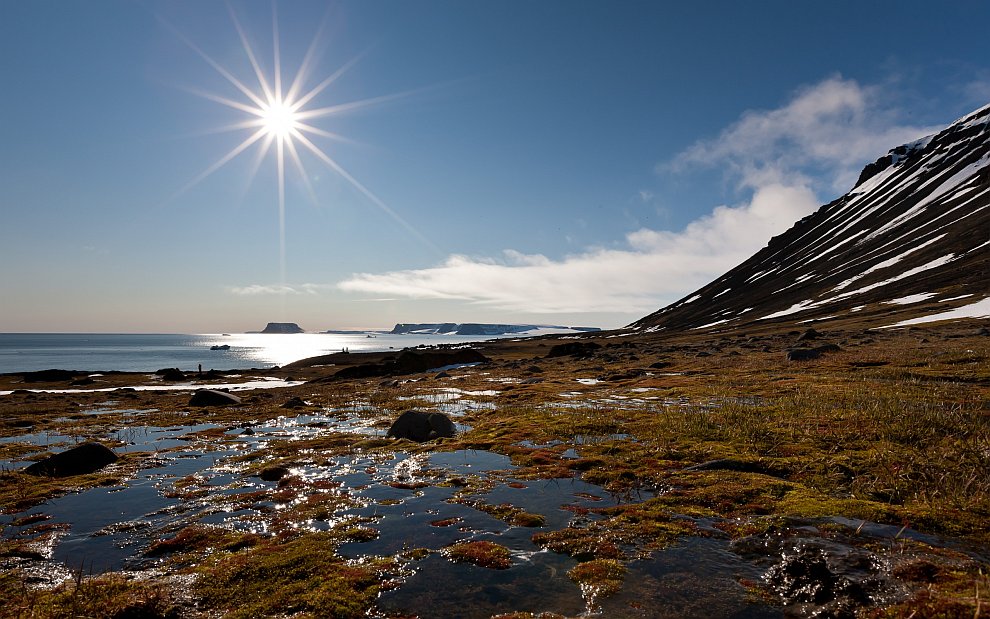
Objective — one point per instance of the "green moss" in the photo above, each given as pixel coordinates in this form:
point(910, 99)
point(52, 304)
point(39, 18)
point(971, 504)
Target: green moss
point(197, 538)
point(505, 512)
point(598, 578)
point(302, 576)
point(103, 597)
point(481, 553)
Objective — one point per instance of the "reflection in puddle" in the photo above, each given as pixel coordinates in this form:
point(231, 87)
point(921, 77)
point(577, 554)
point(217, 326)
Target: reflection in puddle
point(426, 502)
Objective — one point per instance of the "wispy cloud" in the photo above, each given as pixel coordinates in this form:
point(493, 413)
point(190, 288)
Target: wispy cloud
point(827, 130)
point(276, 289)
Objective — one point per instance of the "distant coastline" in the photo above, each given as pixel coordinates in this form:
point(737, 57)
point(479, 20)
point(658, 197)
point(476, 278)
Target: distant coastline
point(144, 352)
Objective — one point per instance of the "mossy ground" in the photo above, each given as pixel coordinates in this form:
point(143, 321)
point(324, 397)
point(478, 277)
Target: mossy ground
point(894, 428)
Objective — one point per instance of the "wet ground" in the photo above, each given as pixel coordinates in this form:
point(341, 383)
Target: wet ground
point(197, 474)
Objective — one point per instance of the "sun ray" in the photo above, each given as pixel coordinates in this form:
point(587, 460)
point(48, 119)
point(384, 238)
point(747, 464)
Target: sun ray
point(304, 67)
point(278, 58)
point(327, 134)
point(231, 103)
point(364, 190)
point(216, 66)
point(280, 145)
point(303, 100)
point(266, 89)
point(237, 150)
point(294, 154)
point(347, 107)
point(259, 156)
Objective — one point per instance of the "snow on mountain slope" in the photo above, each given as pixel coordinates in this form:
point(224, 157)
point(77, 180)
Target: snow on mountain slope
point(910, 242)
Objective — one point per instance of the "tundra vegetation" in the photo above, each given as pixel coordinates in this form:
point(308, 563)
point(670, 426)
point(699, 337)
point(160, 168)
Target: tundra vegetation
point(707, 435)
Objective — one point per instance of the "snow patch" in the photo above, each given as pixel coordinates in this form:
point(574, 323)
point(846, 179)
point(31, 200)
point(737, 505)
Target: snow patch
point(797, 307)
point(980, 309)
point(712, 324)
point(911, 298)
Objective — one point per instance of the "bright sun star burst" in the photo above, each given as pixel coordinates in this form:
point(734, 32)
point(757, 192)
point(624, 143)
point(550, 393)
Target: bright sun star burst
point(281, 117)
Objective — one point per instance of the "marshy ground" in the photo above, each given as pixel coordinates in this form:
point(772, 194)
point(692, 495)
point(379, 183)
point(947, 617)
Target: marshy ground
point(694, 475)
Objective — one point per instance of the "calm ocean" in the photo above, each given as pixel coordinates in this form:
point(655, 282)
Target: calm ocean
point(23, 352)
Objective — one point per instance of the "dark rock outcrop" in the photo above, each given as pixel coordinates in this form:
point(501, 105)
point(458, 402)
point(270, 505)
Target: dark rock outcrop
point(573, 349)
point(273, 473)
point(420, 427)
point(80, 460)
point(475, 328)
point(50, 376)
point(212, 397)
point(413, 362)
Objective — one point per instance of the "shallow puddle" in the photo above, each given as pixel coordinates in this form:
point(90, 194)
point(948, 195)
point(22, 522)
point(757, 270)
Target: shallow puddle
point(426, 501)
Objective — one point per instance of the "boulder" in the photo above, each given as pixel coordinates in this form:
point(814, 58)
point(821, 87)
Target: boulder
point(810, 354)
point(80, 460)
point(212, 397)
point(810, 334)
point(171, 374)
point(420, 427)
point(273, 473)
point(294, 402)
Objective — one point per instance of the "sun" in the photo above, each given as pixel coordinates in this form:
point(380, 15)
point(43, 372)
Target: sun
point(279, 119)
point(279, 115)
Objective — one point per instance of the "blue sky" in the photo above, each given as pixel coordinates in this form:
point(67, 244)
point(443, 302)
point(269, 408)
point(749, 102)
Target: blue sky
point(555, 162)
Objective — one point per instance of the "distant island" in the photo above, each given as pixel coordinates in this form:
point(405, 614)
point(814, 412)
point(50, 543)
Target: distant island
point(282, 327)
point(477, 328)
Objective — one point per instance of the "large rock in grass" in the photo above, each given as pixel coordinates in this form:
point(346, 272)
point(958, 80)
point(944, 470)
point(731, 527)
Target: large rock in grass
point(420, 427)
point(80, 460)
point(810, 354)
point(212, 397)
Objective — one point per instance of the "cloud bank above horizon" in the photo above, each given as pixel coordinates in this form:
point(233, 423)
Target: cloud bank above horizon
point(779, 160)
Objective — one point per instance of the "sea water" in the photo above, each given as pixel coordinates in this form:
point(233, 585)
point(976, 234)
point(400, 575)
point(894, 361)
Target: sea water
point(94, 352)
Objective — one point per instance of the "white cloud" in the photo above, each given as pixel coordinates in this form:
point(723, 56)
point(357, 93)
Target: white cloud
point(273, 289)
point(832, 127)
point(829, 129)
point(654, 268)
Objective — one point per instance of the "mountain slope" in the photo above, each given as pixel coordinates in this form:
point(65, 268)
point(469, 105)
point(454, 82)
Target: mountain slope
point(910, 241)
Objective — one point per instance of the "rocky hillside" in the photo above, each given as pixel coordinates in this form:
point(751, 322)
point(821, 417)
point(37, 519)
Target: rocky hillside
point(909, 243)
